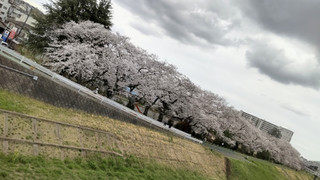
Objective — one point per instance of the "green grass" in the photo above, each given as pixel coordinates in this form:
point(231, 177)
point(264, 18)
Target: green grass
point(31, 54)
point(26, 105)
point(253, 171)
point(15, 166)
point(263, 170)
point(12, 102)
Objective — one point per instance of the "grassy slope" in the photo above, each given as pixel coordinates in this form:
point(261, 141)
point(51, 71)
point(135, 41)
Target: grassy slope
point(135, 140)
point(15, 166)
point(239, 170)
point(263, 170)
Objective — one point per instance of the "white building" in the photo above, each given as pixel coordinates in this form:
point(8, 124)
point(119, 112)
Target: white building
point(313, 167)
point(15, 14)
point(18, 16)
point(266, 126)
point(4, 8)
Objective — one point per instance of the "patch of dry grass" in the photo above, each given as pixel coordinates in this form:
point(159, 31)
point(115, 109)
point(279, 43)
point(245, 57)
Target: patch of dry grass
point(294, 175)
point(127, 139)
point(130, 139)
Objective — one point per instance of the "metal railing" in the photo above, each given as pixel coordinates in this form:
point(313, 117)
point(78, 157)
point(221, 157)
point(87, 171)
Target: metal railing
point(27, 63)
point(20, 72)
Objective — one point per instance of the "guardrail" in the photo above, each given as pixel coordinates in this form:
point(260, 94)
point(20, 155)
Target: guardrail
point(20, 72)
point(14, 56)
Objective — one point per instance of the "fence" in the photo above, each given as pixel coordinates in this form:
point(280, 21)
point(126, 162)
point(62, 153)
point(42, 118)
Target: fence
point(57, 90)
point(36, 136)
point(32, 135)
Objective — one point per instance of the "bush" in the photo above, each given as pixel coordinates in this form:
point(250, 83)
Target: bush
point(227, 134)
point(264, 155)
point(183, 126)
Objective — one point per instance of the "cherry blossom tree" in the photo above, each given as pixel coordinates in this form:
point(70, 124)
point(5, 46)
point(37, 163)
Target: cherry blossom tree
point(59, 12)
point(90, 54)
point(93, 56)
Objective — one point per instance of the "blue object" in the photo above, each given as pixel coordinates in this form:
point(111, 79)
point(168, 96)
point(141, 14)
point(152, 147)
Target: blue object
point(5, 35)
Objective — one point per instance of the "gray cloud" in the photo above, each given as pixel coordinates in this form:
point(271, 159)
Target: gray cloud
point(287, 106)
point(295, 110)
point(145, 29)
point(292, 18)
point(204, 22)
point(209, 22)
point(274, 63)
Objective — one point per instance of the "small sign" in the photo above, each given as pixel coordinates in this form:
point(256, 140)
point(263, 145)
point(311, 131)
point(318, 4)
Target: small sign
point(12, 33)
point(5, 35)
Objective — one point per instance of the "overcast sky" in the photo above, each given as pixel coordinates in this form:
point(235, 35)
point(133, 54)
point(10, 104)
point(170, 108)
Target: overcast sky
point(262, 56)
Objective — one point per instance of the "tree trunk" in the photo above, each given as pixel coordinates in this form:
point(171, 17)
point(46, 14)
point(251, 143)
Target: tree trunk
point(160, 117)
point(146, 110)
point(109, 94)
point(131, 103)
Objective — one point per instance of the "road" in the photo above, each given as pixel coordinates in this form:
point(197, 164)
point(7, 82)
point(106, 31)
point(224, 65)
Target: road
point(227, 152)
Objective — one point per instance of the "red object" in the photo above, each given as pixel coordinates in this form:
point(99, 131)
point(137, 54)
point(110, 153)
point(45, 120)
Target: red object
point(138, 108)
point(12, 33)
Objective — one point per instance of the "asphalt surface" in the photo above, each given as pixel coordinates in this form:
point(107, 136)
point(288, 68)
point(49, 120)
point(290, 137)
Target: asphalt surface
point(227, 152)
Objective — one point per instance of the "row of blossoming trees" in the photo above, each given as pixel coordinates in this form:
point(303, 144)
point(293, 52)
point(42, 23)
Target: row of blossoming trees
point(90, 54)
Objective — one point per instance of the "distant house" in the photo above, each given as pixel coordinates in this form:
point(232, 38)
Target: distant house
point(17, 14)
point(312, 167)
point(267, 127)
point(4, 8)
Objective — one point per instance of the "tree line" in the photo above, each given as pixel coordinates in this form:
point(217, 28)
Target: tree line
point(82, 47)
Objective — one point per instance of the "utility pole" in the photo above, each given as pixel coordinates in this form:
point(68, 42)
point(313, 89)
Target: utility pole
point(24, 23)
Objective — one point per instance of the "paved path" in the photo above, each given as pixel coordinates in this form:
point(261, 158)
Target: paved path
point(227, 152)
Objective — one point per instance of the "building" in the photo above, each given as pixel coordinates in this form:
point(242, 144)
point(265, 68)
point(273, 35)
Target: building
point(15, 14)
point(267, 127)
point(4, 8)
point(313, 167)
